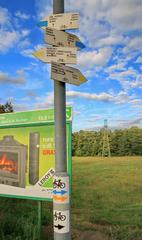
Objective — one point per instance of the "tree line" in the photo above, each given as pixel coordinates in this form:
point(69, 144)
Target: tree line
point(123, 142)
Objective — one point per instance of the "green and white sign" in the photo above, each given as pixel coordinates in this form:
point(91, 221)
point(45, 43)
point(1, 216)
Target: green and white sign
point(27, 153)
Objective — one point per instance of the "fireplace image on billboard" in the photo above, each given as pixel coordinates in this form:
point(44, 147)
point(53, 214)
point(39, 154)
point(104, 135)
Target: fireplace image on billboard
point(13, 162)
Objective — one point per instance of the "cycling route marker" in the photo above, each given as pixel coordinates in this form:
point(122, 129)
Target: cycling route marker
point(61, 189)
point(58, 198)
point(62, 192)
point(60, 21)
point(61, 221)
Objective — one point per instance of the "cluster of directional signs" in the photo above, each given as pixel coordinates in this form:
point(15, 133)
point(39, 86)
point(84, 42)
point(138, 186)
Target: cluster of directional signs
point(65, 47)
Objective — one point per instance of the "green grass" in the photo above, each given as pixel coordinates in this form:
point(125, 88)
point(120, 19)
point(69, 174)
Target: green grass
point(107, 195)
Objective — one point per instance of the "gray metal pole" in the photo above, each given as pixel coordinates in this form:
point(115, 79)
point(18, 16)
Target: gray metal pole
point(61, 209)
point(39, 219)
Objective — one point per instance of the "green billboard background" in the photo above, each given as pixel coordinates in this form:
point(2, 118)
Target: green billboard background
point(20, 126)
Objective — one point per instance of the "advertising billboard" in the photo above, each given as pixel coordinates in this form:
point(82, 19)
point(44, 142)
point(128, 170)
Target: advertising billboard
point(27, 153)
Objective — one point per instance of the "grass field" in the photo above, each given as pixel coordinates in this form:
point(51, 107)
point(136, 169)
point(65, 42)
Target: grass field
point(106, 197)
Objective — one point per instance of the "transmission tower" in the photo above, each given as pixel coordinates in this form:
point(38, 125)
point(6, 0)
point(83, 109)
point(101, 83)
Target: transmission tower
point(105, 141)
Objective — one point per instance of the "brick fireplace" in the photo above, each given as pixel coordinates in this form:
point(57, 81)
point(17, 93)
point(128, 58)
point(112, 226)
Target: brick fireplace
point(13, 161)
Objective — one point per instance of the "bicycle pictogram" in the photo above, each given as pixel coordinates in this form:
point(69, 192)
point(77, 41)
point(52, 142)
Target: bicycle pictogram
point(58, 184)
point(59, 216)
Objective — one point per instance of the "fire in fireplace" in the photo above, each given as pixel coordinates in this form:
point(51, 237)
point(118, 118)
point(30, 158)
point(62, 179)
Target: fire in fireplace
point(13, 159)
point(9, 162)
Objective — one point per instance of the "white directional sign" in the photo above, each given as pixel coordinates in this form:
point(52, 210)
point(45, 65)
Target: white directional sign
point(62, 39)
point(66, 74)
point(57, 54)
point(61, 221)
point(61, 21)
point(61, 189)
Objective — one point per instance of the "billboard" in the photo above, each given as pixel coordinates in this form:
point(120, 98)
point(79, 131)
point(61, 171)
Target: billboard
point(27, 153)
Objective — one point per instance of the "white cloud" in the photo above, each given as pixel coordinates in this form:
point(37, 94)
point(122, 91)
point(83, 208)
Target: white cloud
point(18, 80)
point(119, 66)
point(27, 53)
point(125, 15)
point(24, 44)
point(10, 33)
point(133, 44)
point(44, 8)
point(91, 96)
point(46, 101)
point(25, 32)
point(4, 17)
point(8, 39)
point(139, 59)
point(110, 40)
point(22, 15)
point(121, 97)
point(94, 58)
point(123, 74)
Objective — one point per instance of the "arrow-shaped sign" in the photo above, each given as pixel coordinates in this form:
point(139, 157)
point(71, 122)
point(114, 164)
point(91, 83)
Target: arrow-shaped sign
point(57, 198)
point(70, 75)
point(62, 39)
point(59, 226)
point(61, 21)
point(57, 54)
point(62, 192)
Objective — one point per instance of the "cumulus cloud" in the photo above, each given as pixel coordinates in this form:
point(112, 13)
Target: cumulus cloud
point(27, 53)
point(10, 33)
point(123, 74)
point(91, 58)
point(24, 44)
point(116, 67)
point(128, 78)
point(5, 78)
point(4, 17)
point(121, 97)
point(25, 32)
point(44, 8)
point(22, 15)
point(8, 39)
point(46, 101)
point(92, 96)
point(133, 43)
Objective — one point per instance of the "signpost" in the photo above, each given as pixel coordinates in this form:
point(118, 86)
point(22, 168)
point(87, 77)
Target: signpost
point(62, 39)
point(61, 21)
point(66, 74)
point(63, 53)
point(57, 54)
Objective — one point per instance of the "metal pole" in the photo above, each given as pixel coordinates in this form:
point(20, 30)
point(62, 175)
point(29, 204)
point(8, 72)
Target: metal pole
point(61, 209)
point(39, 220)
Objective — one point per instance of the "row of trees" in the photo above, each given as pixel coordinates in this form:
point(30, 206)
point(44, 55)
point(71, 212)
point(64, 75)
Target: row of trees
point(124, 142)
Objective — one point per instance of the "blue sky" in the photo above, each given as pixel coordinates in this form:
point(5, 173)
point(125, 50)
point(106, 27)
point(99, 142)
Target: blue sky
point(111, 61)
